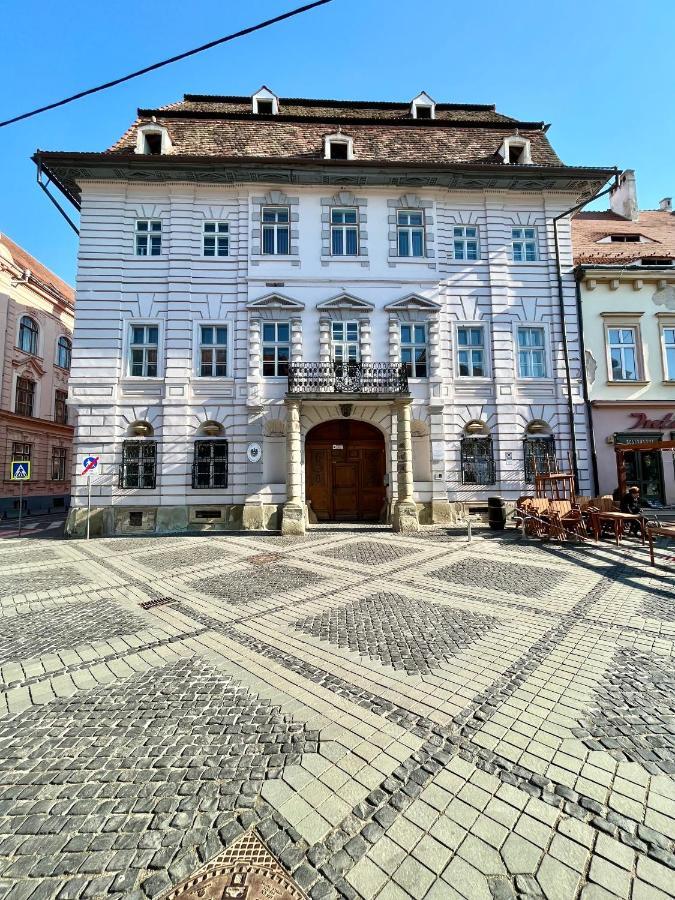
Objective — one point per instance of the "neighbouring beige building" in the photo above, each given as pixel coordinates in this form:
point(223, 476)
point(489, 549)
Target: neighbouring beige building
point(626, 276)
point(37, 311)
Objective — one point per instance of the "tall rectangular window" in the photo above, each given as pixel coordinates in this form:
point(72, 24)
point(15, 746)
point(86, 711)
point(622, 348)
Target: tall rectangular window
point(669, 352)
point(148, 237)
point(539, 456)
point(276, 348)
point(60, 408)
point(209, 468)
point(344, 232)
point(410, 232)
point(465, 242)
point(276, 230)
point(139, 464)
point(345, 341)
point(144, 344)
point(531, 352)
point(59, 459)
point(623, 359)
point(524, 244)
point(414, 350)
point(216, 239)
point(25, 397)
point(477, 460)
point(471, 351)
point(213, 351)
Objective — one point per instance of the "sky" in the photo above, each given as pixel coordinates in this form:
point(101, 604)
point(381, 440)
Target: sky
point(600, 71)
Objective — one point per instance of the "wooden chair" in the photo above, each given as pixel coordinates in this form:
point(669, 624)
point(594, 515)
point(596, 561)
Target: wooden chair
point(539, 526)
point(566, 518)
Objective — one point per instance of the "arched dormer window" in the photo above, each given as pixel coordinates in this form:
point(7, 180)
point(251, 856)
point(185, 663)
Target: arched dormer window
point(338, 146)
point(28, 335)
point(64, 352)
point(153, 140)
point(423, 107)
point(515, 151)
point(265, 103)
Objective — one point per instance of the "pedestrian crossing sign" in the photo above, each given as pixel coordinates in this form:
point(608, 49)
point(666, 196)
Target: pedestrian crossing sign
point(20, 470)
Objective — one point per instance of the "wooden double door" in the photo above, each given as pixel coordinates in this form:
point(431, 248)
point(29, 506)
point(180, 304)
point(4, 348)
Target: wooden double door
point(344, 471)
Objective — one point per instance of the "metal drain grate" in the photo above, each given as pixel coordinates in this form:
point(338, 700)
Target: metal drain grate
point(158, 601)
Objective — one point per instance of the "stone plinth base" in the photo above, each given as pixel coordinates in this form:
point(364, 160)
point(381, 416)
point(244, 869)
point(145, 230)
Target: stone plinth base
point(293, 519)
point(405, 518)
point(107, 521)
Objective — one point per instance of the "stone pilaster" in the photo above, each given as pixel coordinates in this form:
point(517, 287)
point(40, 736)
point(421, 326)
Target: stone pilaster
point(254, 351)
point(324, 340)
point(296, 339)
point(293, 516)
point(365, 341)
point(405, 511)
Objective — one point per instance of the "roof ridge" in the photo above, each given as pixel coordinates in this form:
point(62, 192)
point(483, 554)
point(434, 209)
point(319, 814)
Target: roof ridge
point(235, 98)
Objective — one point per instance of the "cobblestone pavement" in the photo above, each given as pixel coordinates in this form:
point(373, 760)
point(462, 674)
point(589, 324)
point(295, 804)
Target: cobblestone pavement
point(395, 716)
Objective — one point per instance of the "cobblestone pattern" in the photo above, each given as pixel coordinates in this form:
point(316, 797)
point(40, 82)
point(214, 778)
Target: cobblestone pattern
point(368, 553)
point(501, 576)
point(250, 585)
point(34, 579)
point(182, 558)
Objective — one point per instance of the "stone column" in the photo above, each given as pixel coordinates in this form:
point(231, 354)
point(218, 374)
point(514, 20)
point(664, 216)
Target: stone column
point(293, 515)
point(405, 517)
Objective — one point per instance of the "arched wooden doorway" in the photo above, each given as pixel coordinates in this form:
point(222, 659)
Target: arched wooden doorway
point(344, 471)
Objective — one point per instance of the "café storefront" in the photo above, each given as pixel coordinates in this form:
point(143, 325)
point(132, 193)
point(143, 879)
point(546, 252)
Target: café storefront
point(653, 471)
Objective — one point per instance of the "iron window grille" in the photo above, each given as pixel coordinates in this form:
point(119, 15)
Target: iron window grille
point(213, 351)
point(414, 350)
point(276, 348)
point(539, 456)
point(465, 242)
point(64, 352)
point(209, 467)
point(410, 232)
point(148, 237)
point(344, 231)
point(139, 465)
point(28, 335)
point(216, 239)
point(144, 343)
point(60, 408)
point(477, 459)
point(524, 244)
point(471, 352)
point(59, 459)
point(25, 397)
point(276, 230)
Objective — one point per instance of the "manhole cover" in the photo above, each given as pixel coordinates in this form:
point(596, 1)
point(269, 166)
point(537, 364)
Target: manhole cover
point(245, 871)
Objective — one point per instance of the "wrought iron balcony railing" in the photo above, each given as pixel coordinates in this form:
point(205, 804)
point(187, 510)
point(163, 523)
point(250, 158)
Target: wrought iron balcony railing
point(347, 378)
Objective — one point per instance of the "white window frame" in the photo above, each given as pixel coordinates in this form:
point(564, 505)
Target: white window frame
point(636, 346)
point(345, 344)
point(524, 144)
point(147, 234)
point(469, 347)
point(540, 326)
point(344, 227)
point(338, 139)
point(275, 227)
point(465, 240)
point(142, 134)
point(276, 343)
point(524, 241)
point(220, 237)
point(413, 345)
point(197, 344)
point(665, 345)
point(143, 323)
point(410, 229)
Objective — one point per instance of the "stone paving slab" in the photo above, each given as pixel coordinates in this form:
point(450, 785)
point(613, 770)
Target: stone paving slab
point(385, 716)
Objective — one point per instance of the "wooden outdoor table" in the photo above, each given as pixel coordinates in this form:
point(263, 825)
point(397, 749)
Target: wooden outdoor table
point(666, 530)
point(617, 520)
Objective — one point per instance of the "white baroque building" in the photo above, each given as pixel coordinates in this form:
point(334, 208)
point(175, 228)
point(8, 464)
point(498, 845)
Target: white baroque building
point(291, 310)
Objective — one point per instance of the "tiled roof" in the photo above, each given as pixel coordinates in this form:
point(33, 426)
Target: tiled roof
point(590, 227)
point(44, 276)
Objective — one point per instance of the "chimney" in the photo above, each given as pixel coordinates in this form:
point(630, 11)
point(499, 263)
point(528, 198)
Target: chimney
point(666, 205)
point(623, 199)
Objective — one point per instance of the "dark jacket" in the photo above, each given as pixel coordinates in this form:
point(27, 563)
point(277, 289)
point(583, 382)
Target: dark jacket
point(630, 503)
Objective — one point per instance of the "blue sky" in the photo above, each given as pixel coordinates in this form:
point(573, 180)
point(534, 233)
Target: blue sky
point(599, 71)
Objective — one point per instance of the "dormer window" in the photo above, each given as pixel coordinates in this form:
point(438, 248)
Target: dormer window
point(264, 107)
point(624, 238)
point(423, 107)
point(656, 261)
point(153, 143)
point(265, 103)
point(515, 151)
point(153, 140)
point(338, 146)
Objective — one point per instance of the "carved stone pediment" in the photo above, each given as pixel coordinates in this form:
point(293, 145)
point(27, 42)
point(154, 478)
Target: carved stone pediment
point(345, 301)
point(276, 301)
point(31, 367)
point(413, 302)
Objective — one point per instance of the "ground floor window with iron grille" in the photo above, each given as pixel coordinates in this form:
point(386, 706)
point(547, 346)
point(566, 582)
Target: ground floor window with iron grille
point(209, 469)
point(539, 454)
point(139, 464)
point(478, 462)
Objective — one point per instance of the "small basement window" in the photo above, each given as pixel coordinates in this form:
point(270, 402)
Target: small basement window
point(136, 519)
point(208, 514)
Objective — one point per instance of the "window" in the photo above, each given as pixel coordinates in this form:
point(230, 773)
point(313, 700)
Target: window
point(59, 458)
point(477, 458)
point(465, 242)
point(216, 239)
point(410, 232)
point(531, 356)
point(209, 468)
point(338, 150)
point(153, 143)
point(414, 350)
point(656, 261)
point(64, 350)
point(345, 341)
point(338, 146)
point(524, 244)
point(28, 335)
point(139, 464)
point(213, 351)
point(344, 232)
point(624, 238)
point(471, 352)
point(422, 112)
point(148, 237)
point(25, 397)
point(539, 456)
point(21, 451)
point(275, 230)
point(144, 340)
point(276, 348)
point(669, 352)
point(60, 408)
point(622, 345)
point(264, 107)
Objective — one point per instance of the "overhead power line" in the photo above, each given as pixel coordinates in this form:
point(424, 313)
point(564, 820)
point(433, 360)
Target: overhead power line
point(167, 62)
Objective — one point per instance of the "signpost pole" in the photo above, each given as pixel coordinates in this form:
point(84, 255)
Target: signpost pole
point(88, 503)
point(20, 504)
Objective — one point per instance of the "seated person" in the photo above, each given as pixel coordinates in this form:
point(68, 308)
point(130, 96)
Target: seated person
point(630, 503)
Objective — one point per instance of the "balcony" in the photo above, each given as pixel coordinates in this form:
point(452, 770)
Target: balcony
point(347, 378)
